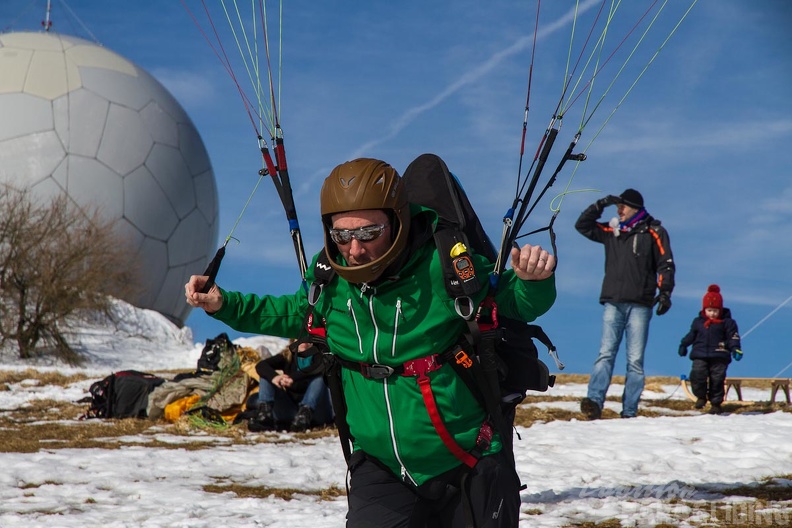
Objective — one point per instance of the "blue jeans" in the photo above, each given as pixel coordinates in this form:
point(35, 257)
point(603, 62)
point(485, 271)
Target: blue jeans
point(621, 320)
point(317, 397)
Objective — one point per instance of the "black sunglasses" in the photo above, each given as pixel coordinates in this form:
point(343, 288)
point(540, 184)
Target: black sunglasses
point(361, 234)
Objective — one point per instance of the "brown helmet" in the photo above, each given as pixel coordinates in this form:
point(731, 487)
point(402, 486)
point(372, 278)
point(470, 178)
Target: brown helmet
point(362, 184)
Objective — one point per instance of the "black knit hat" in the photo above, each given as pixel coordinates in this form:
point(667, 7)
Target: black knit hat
point(632, 198)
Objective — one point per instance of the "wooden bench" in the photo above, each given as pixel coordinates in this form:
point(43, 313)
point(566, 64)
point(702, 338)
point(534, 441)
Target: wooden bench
point(776, 384)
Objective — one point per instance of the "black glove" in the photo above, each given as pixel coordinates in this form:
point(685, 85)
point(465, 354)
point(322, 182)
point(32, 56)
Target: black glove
point(602, 203)
point(663, 302)
point(682, 350)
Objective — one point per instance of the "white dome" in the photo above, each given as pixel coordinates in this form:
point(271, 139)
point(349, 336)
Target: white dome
point(80, 119)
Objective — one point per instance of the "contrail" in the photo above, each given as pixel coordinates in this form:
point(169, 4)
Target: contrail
point(766, 317)
point(477, 73)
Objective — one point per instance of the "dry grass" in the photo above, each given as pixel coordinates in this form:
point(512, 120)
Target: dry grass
point(770, 489)
point(9, 377)
point(656, 382)
point(53, 424)
point(610, 523)
point(527, 416)
point(49, 424)
point(767, 503)
point(262, 492)
point(771, 505)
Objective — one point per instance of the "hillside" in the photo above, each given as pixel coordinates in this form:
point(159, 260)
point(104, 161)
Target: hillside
point(671, 466)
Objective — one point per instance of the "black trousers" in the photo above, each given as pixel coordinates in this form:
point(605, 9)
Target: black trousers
point(707, 377)
point(486, 496)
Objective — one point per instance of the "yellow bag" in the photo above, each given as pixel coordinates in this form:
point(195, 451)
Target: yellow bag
point(174, 410)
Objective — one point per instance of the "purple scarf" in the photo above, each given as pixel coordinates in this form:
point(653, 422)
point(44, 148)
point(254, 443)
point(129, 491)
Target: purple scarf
point(626, 227)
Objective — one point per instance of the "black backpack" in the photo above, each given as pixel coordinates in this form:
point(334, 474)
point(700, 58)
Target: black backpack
point(508, 364)
point(212, 353)
point(123, 394)
point(211, 357)
point(429, 183)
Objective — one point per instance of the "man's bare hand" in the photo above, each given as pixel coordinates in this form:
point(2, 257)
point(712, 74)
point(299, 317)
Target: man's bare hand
point(532, 262)
point(210, 302)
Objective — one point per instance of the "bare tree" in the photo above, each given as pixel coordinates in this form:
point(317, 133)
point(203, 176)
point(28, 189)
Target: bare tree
point(57, 261)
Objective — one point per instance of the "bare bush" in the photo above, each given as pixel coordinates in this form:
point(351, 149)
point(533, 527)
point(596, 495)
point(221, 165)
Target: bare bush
point(57, 261)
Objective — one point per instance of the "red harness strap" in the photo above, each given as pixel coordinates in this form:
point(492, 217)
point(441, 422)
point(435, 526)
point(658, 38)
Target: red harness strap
point(420, 368)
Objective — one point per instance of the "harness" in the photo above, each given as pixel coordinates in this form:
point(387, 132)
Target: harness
point(475, 356)
point(419, 369)
point(478, 371)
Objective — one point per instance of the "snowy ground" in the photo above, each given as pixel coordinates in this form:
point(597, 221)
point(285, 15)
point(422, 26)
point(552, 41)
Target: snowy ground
point(643, 471)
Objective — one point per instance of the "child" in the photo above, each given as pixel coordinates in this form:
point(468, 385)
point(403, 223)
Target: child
point(715, 338)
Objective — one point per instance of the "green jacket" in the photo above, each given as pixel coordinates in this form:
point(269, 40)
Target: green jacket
point(396, 321)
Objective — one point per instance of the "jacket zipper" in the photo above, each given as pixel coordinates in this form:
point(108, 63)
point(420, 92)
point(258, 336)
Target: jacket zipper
point(396, 320)
point(357, 328)
point(404, 473)
point(376, 328)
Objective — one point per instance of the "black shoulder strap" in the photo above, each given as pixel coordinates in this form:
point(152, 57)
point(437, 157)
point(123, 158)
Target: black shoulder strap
point(459, 234)
point(326, 362)
point(459, 273)
point(429, 183)
point(322, 270)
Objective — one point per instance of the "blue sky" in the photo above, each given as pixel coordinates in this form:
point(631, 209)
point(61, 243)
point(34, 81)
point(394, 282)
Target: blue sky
point(703, 135)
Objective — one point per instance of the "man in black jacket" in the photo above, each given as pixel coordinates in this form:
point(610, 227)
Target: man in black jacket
point(638, 263)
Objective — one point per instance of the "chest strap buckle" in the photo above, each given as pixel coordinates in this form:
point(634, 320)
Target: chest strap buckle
point(376, 371)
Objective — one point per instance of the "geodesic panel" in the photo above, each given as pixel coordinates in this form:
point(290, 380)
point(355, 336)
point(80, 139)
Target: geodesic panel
point(162, 126)
point(78, 118)
point(131, 236)
point(169, 160)
point(194, 155)
point(171, 298)
point(185, 247)
point(151, 254)
point(154, 216)
point(23, 114)
point(126, 142)
point(15, 65)
point(83, 136)
point(30, 158)
point(204, 184)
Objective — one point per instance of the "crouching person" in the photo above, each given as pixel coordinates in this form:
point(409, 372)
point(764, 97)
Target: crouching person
point(287, 395)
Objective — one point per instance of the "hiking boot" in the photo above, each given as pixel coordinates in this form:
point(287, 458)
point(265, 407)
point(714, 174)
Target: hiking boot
point(302, 420)
point(590, 409)
point(264, 420)
point(700, 403)
point(715, 409)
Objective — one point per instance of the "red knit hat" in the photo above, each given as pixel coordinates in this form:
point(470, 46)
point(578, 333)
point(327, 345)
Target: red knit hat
point(713, 298)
